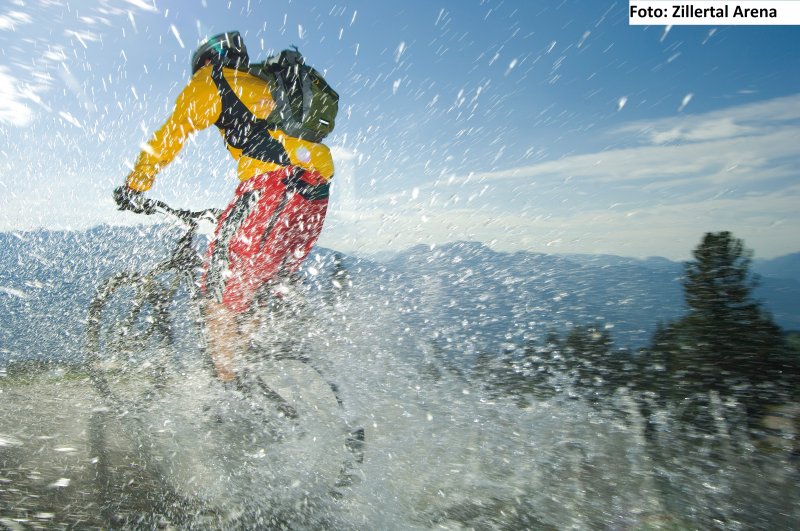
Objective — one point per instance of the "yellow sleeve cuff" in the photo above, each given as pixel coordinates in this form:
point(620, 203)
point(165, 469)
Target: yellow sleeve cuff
point(139, 181)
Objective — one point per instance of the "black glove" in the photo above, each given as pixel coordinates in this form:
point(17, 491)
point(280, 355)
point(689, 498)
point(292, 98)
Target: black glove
point(129, 199)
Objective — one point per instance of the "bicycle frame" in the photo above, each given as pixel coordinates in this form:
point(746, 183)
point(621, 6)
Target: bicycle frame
point(183, 261)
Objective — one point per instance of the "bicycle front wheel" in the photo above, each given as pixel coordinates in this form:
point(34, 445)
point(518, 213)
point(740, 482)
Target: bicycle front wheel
point(128, 339)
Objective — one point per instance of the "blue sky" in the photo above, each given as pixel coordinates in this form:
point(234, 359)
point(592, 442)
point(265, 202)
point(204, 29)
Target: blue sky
point(542, 126)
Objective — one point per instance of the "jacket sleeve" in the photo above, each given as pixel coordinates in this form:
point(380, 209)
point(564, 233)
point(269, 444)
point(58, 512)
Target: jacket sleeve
point(197, 107)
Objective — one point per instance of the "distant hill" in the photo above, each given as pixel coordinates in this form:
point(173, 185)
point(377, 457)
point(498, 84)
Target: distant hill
point(784, 267)
point(47, 279)
point(462, 295)
point(469, 291)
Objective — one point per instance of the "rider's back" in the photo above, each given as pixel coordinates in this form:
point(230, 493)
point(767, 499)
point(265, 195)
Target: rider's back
point(202, 103)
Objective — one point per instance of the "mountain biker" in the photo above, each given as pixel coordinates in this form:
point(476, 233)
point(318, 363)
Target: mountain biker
point(279, 206)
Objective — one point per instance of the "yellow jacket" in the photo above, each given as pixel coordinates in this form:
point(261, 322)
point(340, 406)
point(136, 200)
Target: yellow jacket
point(199, 106)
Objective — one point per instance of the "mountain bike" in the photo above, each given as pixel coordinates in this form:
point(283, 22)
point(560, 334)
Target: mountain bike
point(147, 356)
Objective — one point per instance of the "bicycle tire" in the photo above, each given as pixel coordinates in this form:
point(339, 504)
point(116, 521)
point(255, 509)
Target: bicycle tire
point(128, 339)
point(278, 342)
point(281, 440)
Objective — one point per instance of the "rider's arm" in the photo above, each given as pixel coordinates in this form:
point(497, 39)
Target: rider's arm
point(197, 107)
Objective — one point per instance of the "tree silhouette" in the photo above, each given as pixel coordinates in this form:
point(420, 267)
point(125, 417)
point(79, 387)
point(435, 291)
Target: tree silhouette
point(726, 342)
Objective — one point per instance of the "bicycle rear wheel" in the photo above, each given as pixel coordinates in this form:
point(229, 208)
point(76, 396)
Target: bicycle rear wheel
point(278, 438)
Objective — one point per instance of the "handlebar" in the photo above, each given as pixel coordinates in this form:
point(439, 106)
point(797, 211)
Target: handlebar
point(184, 257)
point(191, 217)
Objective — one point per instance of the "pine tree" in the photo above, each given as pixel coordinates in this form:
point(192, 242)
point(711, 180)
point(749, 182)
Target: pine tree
point(728, 325)
point(597, 369)
point(726, 342)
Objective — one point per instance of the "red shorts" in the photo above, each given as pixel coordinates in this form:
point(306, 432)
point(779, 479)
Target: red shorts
point(265, 233)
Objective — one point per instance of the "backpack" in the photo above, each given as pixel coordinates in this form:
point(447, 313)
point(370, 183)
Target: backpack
point(305, 105)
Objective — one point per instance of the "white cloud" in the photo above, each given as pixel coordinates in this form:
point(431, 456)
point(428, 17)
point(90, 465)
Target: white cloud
point(755, 136)
point(766, 222)
point(730, 169)
point(143, 5)
point(75, 201)
point(12, 19)
point(699, 159)
point(742, 120)
point(710, 130)
point(13, 110)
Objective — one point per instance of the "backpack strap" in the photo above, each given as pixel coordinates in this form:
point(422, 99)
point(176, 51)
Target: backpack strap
point(283, 109)
point(287, 84)
point(235, 115)
point(242, 129)
point(305, 86)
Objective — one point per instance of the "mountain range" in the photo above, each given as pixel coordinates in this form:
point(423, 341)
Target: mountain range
point(523, 294)
point(463, 294)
